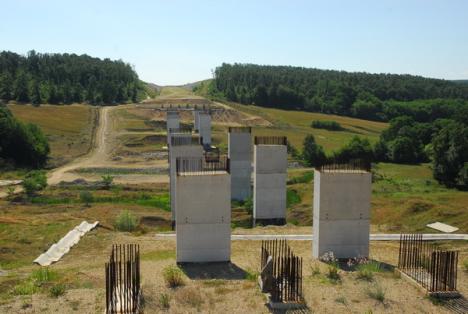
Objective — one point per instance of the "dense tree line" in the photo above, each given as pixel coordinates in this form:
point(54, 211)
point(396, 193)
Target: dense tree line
point(21, 144)
point(443, 142)
point(66, 78)
point(371, 96)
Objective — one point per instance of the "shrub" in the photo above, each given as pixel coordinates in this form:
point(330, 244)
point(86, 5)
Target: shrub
point(57, 290)
point(34, 181)
point(173, 277)
point(126, 221)
point(86, 197)
point(376, 292)
point(313, 153)
point(164, 300)
point(107, 181)
point(327, 125)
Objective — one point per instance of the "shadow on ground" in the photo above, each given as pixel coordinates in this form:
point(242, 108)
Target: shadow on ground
point(300, 309)
point(223, 270)
point(456, 305)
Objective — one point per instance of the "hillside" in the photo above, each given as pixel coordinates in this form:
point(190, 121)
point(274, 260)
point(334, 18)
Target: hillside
point(369, 96)
point(67, 78)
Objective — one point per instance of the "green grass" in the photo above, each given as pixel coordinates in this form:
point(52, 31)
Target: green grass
point(296, 125)
point(158, 255)
point(158, 201)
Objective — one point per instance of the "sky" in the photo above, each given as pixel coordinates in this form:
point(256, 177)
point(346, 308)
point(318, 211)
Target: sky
point(177, 42)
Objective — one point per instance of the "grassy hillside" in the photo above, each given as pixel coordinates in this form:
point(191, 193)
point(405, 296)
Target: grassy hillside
point(68, 128)
point(296, 125)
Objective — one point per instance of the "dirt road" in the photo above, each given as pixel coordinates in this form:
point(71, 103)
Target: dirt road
point(96, 155)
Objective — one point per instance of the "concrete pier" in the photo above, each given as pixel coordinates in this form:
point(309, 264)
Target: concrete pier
point(240, 157)
point(172, 119)
point(341, 214)
point(204, 126)
point(195, 119)
point(181, 145)
point(270, 166)
point(203, 216)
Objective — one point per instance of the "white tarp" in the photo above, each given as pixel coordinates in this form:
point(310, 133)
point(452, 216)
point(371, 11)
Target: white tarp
point(442, 227)
point(62, 247)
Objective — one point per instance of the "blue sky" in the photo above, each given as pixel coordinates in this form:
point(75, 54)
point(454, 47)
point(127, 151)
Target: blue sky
point(175, 42)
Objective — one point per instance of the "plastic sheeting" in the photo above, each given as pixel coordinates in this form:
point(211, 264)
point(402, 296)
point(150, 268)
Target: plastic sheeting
point(59, 249)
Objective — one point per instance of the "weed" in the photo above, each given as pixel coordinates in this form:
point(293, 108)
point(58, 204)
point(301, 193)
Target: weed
point(292, 197)
point(315, 270)
point(164, 301)
point(465, 265)
point(365, 274)
point(126, 221)
point(57, 290)
point(332, 273)
point(306, 177)
point(107, 181)
point(341, 300)
point(376, 292)
point(251, 275)
point(25, 288)
point(10, 192)
point(173, 277)
point(43, 275)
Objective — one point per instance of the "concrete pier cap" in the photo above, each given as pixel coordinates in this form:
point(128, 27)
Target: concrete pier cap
point(203, 216)
point(341, 211)
point(270, 175)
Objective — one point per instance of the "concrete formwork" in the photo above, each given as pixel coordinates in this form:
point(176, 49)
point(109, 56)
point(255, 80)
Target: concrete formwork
point(269, 199)
point(240, 158)
point(203, 217)
point(341, 215)
point(204, 126)
point(182, 145)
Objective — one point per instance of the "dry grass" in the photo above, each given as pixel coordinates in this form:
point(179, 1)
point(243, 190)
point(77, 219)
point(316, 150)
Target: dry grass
point(68, 128)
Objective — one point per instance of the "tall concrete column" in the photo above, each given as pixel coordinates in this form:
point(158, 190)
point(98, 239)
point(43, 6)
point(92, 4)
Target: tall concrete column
point(172, 119)
point(195, 119)
point(240, 157)
point(341, 215)
point(181, 145)
point(270, 166)
point(204, 126)
point(203, 216)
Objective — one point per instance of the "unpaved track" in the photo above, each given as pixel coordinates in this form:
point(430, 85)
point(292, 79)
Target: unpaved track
point(96, 156)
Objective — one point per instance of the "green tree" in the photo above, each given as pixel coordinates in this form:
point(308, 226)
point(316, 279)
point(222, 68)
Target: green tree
point(313, 153)
point(450, 148)
point(20, 87)
point(357, 149)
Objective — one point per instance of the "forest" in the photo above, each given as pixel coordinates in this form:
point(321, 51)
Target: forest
point(67, 78)
point(379, 97)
